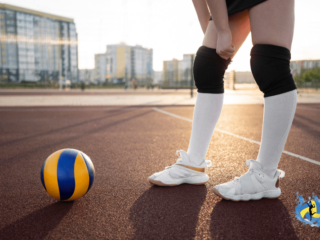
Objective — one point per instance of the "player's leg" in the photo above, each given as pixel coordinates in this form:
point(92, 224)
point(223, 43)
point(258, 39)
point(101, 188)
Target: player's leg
point(270, 63)
point(272, 25)
point(209, 69)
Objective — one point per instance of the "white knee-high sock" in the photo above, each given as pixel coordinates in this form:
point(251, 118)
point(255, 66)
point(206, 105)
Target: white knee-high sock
point(205, 117)
point(279, 111)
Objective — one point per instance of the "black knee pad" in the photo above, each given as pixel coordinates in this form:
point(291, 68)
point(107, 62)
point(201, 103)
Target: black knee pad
point(270, 67)
point(208, 70)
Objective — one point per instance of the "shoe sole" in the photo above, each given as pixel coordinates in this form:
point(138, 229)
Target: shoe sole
point(215, 191)
point(161, 184)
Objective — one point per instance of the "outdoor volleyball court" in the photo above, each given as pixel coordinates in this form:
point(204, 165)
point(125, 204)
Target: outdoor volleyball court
point(129, 143)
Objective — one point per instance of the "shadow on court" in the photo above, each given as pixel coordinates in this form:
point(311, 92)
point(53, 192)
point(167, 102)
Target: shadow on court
point(81, 134)
point(264, 219)
point(38, 224)
point(116, 112)
point(168, 213)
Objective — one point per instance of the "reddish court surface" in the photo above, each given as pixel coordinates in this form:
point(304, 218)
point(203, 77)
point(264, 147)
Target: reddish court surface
point(126, 145)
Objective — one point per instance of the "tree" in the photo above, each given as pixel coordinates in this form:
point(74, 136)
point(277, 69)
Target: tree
point(308, 75)
point(311, 75)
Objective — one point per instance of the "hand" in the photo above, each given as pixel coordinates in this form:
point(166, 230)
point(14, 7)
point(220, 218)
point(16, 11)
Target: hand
point(225, 49)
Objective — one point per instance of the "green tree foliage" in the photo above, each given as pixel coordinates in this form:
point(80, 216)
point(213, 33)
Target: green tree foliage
point(308, 75)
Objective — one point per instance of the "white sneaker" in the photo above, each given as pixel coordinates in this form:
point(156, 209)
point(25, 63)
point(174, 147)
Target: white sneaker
point(253, 185)
point(177, 174)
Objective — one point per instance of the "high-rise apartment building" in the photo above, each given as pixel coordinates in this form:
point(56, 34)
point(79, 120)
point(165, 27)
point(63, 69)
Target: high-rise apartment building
point(36, 46)
point(125, 63)
point(170, 72)
point(87, 75)
point(100, 68)
point(118, 63)
point(157, 79)
point(177, 73)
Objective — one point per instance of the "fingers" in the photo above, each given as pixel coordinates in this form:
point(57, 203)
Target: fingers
point(226, 53)
point(225, 57)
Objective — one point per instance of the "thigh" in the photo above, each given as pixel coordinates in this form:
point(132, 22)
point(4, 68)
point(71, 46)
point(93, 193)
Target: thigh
point(239, 25)
point(272, 22)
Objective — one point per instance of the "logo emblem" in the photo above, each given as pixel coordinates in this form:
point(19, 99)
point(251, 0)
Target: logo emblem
point(308, 212)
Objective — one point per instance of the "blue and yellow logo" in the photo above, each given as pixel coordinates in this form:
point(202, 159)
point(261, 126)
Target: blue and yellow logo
point(308, 212)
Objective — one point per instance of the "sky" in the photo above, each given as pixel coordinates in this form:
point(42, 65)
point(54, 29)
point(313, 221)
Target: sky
point(169, 27)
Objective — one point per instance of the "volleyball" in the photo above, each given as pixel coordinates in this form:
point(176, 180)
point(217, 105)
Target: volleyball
point(67, 174)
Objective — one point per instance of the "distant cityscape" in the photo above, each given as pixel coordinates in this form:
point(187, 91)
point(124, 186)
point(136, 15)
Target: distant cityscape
point(41, 47)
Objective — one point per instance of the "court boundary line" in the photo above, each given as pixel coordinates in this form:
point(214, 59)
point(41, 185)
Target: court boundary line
point(240, 137)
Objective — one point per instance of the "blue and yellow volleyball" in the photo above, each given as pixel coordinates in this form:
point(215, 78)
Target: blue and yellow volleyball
point(67, 174)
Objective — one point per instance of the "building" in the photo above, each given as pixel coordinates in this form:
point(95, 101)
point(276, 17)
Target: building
point(231, 78)
point(178, 73)
point(297, 66)
point(87, 75)
point(157, 79)
point(118, 63)
point(125, 63)
point(241, 77)
point(100, 68)
point(142, 65)
point(36, 46)
point(170, 72)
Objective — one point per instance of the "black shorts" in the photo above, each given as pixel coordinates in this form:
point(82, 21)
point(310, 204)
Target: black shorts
point(235, 6)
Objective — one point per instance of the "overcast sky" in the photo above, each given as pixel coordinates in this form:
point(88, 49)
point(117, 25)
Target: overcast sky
point(170, 27)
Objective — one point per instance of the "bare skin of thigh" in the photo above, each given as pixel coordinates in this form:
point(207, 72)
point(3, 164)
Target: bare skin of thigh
point(272, 22)
point(239, 24)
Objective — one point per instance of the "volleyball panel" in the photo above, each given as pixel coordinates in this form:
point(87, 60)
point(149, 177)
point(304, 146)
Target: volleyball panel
point(81, 177)
point(42, 175)
point(65, 173)
point(90, 168)
point(50, 175)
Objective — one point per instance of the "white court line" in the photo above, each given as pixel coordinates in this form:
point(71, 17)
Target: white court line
point(237, 136)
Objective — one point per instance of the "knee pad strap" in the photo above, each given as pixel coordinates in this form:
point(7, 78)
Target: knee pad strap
point(208, 70)
point(270, 67)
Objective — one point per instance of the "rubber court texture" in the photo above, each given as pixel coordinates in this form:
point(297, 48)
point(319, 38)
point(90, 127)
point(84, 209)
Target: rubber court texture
point(126, 145)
